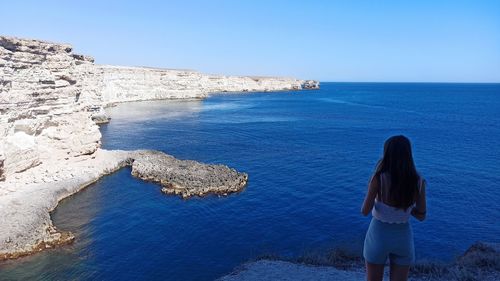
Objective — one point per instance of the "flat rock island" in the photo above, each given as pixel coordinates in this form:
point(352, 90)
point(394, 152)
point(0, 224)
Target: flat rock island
point(51, 102)
point(186, 177)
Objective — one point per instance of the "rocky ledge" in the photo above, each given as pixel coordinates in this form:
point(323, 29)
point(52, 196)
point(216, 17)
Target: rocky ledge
point(310, 84)
point(186, 178)
point(481, 262)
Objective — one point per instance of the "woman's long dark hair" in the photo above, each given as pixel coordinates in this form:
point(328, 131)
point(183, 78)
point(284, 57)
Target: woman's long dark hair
point(398, 163)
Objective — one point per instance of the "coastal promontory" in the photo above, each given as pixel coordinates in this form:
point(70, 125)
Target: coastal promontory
point(51, 101)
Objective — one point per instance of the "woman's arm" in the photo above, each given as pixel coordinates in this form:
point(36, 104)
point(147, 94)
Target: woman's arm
point(373, 188)
point(420, 209)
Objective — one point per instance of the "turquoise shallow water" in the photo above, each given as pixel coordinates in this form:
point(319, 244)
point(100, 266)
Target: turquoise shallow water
point(309, 155)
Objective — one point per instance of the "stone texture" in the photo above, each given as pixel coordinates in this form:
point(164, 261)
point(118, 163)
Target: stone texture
point(41, 115)
point(99, 115)
point(186, 178)
point(20, 152)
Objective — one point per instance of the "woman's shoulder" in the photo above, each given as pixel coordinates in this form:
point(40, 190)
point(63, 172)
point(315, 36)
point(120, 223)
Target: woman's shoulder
point(375, 179)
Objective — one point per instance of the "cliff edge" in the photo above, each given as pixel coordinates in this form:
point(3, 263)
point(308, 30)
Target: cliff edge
point(481, 262)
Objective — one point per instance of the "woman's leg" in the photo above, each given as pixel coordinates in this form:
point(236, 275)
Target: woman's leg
point(403, 254)
point(374, 272)
point(399, 272)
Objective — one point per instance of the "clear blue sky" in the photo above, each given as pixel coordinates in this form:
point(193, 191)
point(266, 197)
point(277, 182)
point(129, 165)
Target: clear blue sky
point(448, 41)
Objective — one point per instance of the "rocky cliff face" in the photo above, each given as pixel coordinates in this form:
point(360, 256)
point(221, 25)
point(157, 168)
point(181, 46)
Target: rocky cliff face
point(121, 84)
point(48, 95)
point(40, 88)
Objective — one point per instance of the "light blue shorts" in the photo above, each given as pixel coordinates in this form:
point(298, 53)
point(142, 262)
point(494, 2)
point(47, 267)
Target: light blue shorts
point(389, 240)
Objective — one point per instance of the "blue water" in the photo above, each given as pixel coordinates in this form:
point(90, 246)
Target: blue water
point(309, 156)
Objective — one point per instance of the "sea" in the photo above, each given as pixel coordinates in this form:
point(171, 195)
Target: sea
point(309, 156)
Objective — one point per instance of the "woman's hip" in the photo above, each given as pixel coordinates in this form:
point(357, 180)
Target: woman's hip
point(387, 238)
point(390, 230)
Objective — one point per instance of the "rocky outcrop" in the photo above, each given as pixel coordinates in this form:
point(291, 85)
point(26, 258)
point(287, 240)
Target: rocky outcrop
point(99, 115)
point(310, 84)
point(25, 222)
point(186, 178)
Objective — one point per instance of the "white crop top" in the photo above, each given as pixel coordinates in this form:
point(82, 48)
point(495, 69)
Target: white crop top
point(387, 213)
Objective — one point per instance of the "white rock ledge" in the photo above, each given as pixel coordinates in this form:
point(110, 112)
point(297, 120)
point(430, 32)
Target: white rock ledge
point(25, 206)
point(26, 200)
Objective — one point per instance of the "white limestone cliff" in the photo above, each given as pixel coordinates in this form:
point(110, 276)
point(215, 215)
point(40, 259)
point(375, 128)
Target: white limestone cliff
point(39, 104)
point(49, 143)
point(139, 83)
point(47, 94)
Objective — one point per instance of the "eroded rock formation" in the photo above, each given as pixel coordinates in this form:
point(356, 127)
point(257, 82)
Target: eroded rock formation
point(41, 115)
point(186, 177)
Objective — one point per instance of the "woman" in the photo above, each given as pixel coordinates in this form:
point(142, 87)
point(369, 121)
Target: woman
point(395, 192)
